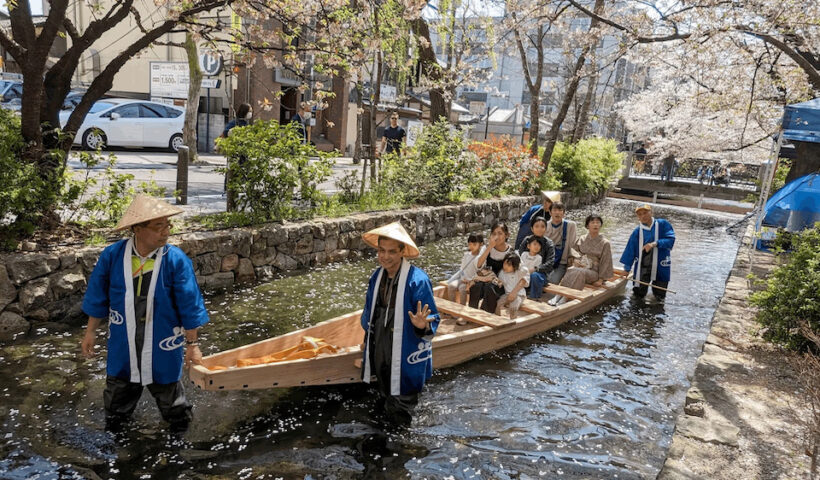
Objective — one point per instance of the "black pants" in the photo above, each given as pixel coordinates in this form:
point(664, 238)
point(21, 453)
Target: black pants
point(640, 290)
point(121, 398)
point(487, 291)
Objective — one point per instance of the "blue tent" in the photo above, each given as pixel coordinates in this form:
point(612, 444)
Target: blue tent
point(796, 206)
point(801, 121)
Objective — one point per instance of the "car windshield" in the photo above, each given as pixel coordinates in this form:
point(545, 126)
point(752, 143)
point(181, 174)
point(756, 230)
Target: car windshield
point(100, 106)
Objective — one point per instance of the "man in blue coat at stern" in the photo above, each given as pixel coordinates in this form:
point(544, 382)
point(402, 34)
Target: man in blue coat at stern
point(148, 292)
point(399, 319)
point(648, 253)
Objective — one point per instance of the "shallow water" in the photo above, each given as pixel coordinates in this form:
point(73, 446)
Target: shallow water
point(594, 398)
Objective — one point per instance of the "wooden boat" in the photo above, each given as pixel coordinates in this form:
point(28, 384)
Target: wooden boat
point(453, 343)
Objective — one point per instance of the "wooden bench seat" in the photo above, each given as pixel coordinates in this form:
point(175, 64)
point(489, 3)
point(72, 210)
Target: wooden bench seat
point(568, 292)
point(472, 314)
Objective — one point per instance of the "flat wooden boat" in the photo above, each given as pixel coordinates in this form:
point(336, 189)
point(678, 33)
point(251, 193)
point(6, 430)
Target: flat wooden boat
point(453, 343)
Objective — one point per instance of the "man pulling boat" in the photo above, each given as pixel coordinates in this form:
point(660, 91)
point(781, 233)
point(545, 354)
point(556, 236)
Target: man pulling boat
point(399, 356)
point(148, 292)
point(648, 253)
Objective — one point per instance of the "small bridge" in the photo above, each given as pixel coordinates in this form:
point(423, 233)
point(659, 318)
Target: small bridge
point(646, 175)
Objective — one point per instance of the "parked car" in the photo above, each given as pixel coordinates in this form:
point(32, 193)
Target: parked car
point(123, 122)
point(9, 90)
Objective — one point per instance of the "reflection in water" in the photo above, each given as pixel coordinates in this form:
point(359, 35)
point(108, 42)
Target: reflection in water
point(595, 398)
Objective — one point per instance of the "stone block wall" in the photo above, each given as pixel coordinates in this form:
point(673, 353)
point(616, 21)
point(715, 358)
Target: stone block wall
point(49, 287)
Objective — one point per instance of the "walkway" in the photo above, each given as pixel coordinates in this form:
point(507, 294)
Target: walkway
point(205, 186)
point(745, 411)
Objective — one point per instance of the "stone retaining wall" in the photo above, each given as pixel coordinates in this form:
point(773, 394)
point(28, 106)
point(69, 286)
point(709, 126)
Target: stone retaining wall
point(48, 287)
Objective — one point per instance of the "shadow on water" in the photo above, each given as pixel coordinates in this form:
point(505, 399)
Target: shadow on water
point(595, 398)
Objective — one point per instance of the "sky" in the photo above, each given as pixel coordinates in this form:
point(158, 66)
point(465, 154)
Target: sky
point(36, 7)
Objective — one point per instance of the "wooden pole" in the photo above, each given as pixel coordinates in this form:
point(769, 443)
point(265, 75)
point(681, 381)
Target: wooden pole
point(182, 175)
point(652, 285)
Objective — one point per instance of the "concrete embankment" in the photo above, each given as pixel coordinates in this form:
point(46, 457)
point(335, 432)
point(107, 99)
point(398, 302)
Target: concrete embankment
point(745, 411)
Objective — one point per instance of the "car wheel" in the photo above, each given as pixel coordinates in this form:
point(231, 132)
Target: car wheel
point(176, 142)
point(94, 139)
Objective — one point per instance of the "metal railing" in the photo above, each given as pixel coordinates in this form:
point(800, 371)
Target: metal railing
point(708, 172)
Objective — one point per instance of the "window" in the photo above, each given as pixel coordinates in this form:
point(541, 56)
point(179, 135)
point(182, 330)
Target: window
point(128, 111)
point(151, 111)
point(172, 112)
point(100, 106)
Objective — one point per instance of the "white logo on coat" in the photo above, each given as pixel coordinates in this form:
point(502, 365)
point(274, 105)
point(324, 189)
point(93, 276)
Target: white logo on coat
point(424, 353)
point(666, 262)
point(173, 342)
point(115, 317)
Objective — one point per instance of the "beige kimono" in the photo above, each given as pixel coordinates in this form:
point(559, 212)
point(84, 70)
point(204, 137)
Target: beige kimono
point(592, 261)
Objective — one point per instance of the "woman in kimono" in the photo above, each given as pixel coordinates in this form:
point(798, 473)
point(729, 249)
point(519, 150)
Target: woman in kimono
point(590, 257)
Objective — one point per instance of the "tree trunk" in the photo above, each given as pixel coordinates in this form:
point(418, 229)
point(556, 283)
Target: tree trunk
point(375, 98)
point(431, 69)
point(555, 130)
point(535, 119)
point(357, 151)
point(807, 161)
point(582, 121)
point(192, 107)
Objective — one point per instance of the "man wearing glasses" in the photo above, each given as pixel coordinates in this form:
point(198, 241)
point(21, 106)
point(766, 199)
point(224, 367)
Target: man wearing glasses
point(148, 291)
point(393, 137)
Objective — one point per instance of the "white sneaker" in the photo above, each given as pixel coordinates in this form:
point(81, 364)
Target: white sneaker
point(562, 301)
point(554, 300)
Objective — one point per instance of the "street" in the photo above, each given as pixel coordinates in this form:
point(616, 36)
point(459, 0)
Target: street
point(205, 186)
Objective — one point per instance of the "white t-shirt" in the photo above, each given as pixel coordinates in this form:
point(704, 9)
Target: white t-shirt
point(510, 280)
point(532, 262)
point(468, 266)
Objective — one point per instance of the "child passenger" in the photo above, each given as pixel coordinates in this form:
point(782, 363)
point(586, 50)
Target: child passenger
point(515, 279)
point(532, 259)
point(457, 284)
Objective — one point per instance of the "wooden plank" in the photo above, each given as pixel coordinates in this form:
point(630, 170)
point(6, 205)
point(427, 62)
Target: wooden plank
point(472, 314)
point(542, 308)
point(567, 292)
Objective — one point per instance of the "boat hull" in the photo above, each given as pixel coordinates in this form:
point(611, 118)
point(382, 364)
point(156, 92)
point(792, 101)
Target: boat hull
point(450, 348)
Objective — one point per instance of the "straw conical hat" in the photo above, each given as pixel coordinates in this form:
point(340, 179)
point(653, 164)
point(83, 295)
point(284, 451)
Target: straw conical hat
point(396, 232)
point(144, 208)
point(552, 195)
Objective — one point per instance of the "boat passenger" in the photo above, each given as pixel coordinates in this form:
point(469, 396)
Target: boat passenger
point(546, 250)
point(590, 259)
point(648, 253)
point(398, 290)
point(562, 232)
point(148, 292)
point(487, 292)
point(515, 278)
point(541, 210)
point(457, 284)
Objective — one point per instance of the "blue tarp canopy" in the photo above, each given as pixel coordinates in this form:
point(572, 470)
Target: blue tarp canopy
point(796, 206)
point(801, 121)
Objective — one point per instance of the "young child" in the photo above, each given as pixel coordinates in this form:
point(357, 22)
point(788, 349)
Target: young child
point(515, 279)
point(457, 284)
point(532, 259)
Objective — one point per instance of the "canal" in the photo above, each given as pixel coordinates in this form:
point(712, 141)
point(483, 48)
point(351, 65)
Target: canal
point(594, 398)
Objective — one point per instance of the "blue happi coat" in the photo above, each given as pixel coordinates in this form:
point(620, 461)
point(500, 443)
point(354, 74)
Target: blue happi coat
point(174, 303)
point(412, 357)
point(661, 231)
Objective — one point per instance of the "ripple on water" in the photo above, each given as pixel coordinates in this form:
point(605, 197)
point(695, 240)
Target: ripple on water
point(595, 398)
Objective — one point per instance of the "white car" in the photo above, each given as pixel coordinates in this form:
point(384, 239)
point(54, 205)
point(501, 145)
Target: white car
point(124, 122)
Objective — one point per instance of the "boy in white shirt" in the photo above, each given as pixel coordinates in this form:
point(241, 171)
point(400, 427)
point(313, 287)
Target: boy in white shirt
point(457, 284)
point(515, 278)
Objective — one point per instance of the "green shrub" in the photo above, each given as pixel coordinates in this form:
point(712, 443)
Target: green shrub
point(589, 166)
point(431, 172)
point(100, 199)
point(18, 181)
point(792, 294)
point(268, 163)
